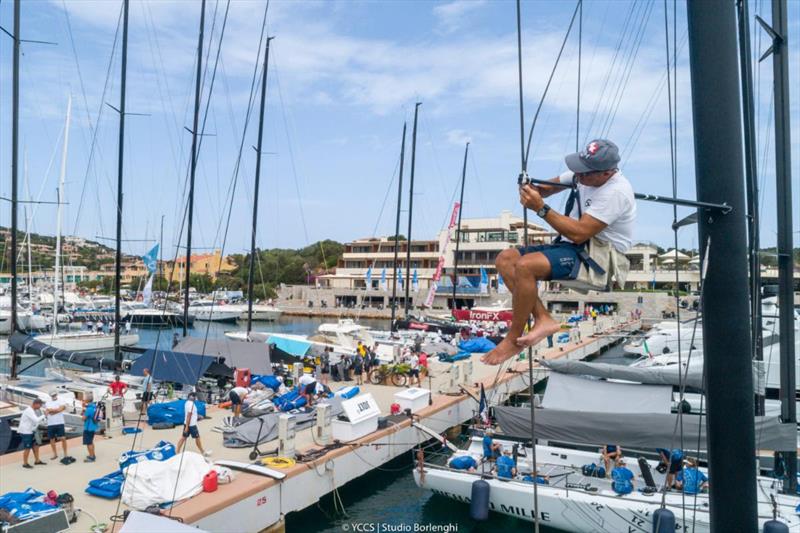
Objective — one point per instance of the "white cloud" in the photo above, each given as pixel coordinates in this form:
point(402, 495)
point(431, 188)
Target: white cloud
point(450, 15)
point(458, 137)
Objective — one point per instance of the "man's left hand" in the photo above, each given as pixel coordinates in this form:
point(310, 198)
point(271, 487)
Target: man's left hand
point(530, 198)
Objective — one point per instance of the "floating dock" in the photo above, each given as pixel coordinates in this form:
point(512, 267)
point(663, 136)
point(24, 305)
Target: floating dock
point(256, 503)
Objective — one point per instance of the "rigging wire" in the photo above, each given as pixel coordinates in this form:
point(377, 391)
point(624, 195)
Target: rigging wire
point(527, 150)
point(95, 130)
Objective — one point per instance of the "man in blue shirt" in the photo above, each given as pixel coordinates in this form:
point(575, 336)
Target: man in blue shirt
point(91, 424)
point(623, 478)
point(506, 467)
point(690, 479)
point(491, 449)
point(671, 462)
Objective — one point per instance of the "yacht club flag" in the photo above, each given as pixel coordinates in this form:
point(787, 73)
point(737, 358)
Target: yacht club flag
point(443, 243)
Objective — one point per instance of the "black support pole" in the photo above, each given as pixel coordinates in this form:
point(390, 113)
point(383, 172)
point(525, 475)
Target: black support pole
point(397, 229)
point(118, 257)
point(251, 269)
point(14, 176)
point(193, 171)
point(783, 188)
point(410, 210)
point(726, 316)
point(751, 184)
point(458, 230)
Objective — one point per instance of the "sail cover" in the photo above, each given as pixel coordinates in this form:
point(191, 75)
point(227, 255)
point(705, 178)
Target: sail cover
point(574, 393)
point(252, 355)
point(22, 343)
point(652, 375)
point(633, 430)
point(178, 367)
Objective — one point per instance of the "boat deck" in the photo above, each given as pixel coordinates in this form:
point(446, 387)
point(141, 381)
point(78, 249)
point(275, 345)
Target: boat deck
point(445, 411)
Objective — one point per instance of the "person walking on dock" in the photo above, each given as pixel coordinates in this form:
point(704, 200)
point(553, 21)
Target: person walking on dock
point(31, 418)
point(147, 389)
point(91, 423)
point(190, 425)
point(602, 205)
point(54, 409)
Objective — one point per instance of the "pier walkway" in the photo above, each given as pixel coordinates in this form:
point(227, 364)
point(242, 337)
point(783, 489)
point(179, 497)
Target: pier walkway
point(256, 503)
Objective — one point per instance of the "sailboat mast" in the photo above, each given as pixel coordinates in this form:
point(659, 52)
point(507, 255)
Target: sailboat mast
point(458, 231)
point(28, 222)
point(726, 310)
point(410, 209)
point(783, 188)
point(251, 270)
point(397, 228)
point(193, 171)
point(751, 184)
point(14, 175)
point(59, 211)
point(118, 260)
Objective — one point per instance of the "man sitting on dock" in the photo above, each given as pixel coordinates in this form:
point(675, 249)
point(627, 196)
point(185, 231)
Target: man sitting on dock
point(605, 209)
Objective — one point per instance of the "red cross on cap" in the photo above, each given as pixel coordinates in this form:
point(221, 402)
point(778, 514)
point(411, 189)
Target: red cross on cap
point(592, 148)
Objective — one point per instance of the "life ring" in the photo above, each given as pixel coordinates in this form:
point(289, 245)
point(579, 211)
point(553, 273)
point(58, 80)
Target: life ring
point(278, 462)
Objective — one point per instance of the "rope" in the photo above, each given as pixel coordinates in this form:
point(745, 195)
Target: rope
point(527, 150)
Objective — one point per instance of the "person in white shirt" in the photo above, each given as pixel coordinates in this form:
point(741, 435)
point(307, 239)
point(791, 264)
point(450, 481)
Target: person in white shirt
point(190, 425)
point(307, 387)
point(413, 361)
point(237, 396)
point(54, 409)
point(603, 207)
point(31, 418)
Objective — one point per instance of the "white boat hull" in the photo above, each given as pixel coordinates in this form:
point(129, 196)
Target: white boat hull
point(87, 341)
point(261, 313)
point(581, 511)
point(215, 315)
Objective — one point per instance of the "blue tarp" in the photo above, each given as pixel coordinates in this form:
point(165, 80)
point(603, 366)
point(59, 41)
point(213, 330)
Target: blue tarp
point(160, 452)
point(290, 400)
point(26, 505)
point(268, 381)
point(110, 485)
point(171, 412)
point(476, 345)
point(295, 347)
point(178, 367)
point(447, 358)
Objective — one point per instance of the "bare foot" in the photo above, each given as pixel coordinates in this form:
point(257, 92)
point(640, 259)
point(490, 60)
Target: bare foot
point(505, 350)
point(541, 330)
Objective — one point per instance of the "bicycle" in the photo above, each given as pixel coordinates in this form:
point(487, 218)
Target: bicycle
point(395, 373)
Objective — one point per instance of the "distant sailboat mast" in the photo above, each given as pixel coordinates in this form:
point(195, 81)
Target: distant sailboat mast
point(61, 179)
point(195, 133)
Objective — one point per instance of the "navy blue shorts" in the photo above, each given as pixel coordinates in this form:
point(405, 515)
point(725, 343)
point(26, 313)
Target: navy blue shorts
point(88, 438)
point(27, 441)
point(563, 258)
point(56, 431)
point(235, 400)
point(193, 431)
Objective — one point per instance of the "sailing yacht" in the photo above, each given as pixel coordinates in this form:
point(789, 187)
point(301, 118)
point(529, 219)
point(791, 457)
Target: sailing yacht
point(261, 312)
point(211, 311)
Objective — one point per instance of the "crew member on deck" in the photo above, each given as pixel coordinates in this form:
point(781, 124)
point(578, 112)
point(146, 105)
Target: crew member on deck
point(605, 208)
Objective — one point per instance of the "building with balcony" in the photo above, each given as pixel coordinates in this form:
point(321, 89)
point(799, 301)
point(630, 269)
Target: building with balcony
point(479, 243)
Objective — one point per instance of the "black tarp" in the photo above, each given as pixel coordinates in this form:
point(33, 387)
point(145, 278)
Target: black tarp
point(178, 367)
point(634, 430)
point(23, 343)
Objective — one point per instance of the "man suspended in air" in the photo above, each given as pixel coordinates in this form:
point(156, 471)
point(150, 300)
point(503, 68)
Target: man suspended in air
point(604, 207)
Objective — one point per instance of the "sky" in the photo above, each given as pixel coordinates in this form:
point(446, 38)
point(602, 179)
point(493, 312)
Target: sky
point(342, 79)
